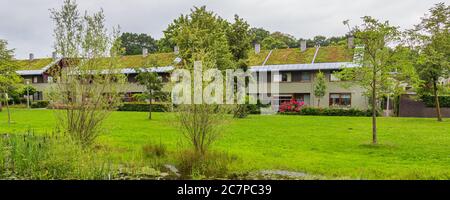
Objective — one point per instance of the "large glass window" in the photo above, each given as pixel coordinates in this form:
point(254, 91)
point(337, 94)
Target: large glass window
point(340, 99)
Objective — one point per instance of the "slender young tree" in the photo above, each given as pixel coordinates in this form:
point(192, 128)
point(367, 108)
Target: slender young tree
point(9, 79)
point(153, 84)
point(433, 63)
point(373, 71)
point(88, 87)
point(320, 87)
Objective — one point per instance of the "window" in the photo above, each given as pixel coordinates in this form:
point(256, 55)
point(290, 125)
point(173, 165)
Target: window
point(286, 77)
point(334, 77)
point(306, 76)
point(305, 98)
point(340, 99)
point(35, 79)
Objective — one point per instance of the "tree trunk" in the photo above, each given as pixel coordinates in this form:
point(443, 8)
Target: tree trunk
point(374, 110)
point(436, 99)
point(7, 109)
point(1, 105)
point(318, 102)
point(150, 107)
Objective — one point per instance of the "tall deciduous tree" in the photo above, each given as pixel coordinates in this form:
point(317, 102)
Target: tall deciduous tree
point(320, 87)
point(134, 43)
point(201, 30)
point(373, 71)
point(433, 62)
point(9, 79)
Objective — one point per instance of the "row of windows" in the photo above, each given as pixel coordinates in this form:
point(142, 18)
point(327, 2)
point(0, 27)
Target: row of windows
point(298, 77)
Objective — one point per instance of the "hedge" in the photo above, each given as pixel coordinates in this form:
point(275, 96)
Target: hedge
point(444, 101)
point(331, 112)
point(143, 107)
point(40, 104)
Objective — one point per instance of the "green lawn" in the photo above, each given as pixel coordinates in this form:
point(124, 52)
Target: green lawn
point(334, 147)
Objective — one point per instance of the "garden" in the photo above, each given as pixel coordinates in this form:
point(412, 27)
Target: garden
point(256, 147)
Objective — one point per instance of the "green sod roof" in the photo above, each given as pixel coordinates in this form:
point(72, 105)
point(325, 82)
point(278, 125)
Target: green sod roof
point(295, 56)
point(35, 64)
point(278, 57)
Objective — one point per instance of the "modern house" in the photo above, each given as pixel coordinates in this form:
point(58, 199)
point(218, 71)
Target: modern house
point(297, 71)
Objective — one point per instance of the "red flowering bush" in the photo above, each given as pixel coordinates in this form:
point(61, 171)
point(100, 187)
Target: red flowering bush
point(291, 106)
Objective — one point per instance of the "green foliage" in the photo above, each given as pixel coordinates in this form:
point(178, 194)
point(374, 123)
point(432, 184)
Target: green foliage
point(133, 43)
point(332, 112)
point(152, 150)
point(320, 86)
point(273, 43)
point(259, 34)
point(285, 38)
point(143, 107)
point(444, 101)
point(201, 35)
point(40, 104)
point(239, 39)
point(433, 59)
point(210, 165)
point(48, 157)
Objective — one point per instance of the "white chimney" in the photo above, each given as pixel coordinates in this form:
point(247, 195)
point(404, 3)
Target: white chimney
point(350, 41)
point(31, 56)
point(144, 52)
point(54, 55)
point(302, 45)
point(257, 48)
point(176, 49)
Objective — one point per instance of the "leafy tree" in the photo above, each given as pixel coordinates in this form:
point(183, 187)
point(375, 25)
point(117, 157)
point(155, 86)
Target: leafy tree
point(201, 30)
point(273, 43)
point(433, 60)
point(153, 84)
point(374, 70)
point(320, 87)
point(9, 79)
point(289, 40)
point(259, 34)
point(239, 39)
point(88, 88)
point(134, 43)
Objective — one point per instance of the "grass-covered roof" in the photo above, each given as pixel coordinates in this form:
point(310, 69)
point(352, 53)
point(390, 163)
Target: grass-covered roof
point(35, 64)
point(278, 56)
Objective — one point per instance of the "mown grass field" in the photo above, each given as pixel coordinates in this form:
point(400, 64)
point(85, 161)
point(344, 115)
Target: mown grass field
point(333, 147)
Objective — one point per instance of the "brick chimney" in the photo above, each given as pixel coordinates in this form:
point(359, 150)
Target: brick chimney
point(144, 52)
point(257, 48)
point(302, 45)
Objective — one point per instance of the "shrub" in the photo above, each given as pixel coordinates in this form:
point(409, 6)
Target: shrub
point(151, 150)
point(291, 106)
point(40, 104)
point(331, 112)
point(444, 101)
point(27, 156)
point(212, 164)
point(144, 107)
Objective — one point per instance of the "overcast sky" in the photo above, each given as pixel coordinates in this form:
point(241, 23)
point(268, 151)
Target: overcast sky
point(26, 24)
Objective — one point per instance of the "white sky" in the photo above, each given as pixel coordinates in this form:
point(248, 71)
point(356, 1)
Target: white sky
point(27, 26)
